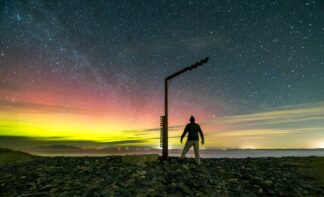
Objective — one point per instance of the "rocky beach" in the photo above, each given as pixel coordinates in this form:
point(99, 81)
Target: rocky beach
point(150, 176)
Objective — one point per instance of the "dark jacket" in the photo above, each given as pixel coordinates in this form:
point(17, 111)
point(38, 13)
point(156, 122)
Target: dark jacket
point(193, 129)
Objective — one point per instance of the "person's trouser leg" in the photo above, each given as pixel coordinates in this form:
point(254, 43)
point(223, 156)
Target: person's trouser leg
point(197, 154)
point(186, 148)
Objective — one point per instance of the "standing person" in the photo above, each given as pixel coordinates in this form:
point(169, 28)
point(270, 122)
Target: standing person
point(193, 140)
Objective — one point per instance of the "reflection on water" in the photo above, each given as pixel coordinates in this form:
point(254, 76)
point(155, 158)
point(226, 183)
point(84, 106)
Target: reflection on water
point(208, 153)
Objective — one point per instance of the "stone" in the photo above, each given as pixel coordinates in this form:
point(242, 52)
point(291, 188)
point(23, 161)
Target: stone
point(268, 182)
point(272, 192)
point(32, 185)
point(184, 188)
point(184, 166)
point(141, 172)
point(46, 188)
point(232, 180)
point(212, 181)
point(140, 159)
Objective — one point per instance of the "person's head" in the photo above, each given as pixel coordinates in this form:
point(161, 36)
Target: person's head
point(192, 119)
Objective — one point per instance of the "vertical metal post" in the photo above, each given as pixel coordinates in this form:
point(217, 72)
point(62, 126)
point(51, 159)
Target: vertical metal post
point(165, 130)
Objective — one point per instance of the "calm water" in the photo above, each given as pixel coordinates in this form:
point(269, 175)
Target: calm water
point(213, 153)
point(259, 153)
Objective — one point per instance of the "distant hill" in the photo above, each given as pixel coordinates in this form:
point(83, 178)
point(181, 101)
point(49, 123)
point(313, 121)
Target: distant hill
point(56, 148)
point(7, 150)
point(8, 156)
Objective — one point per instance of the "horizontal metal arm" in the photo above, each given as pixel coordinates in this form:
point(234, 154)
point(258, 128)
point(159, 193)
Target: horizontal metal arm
point(178, 73)
point(201, 62)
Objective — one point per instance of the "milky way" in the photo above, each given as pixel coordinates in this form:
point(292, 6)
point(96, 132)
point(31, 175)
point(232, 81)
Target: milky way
point(102, 64)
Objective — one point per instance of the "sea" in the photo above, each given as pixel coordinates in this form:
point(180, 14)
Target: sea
point(260, 153)
point(233, 153)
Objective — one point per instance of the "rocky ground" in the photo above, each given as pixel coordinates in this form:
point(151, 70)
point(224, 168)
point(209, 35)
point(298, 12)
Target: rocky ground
point(111, 176)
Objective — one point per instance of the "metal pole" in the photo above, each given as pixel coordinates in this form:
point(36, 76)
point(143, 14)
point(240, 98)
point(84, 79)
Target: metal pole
point(165, 129)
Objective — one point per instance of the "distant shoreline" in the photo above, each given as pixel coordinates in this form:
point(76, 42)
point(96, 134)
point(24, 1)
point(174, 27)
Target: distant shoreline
point(230, 153)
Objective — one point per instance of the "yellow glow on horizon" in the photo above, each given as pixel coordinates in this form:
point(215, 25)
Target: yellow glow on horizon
point(248, 147)
point(321, 144)
point(69, 127)
point(227, 132)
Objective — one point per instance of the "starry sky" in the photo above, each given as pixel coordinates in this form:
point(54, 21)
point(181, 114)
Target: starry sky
point(91, 74)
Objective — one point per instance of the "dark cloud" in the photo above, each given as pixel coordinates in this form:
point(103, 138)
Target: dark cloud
point(171, 128)
point(24, 142)
point(124, 142)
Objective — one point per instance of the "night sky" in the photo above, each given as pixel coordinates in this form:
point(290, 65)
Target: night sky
point(90, 73)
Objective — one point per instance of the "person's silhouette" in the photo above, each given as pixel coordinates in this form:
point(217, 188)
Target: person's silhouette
point(192, 129)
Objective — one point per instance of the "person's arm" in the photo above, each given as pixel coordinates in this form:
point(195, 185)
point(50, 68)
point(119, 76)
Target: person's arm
point(184, 133)
point(201, 135)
